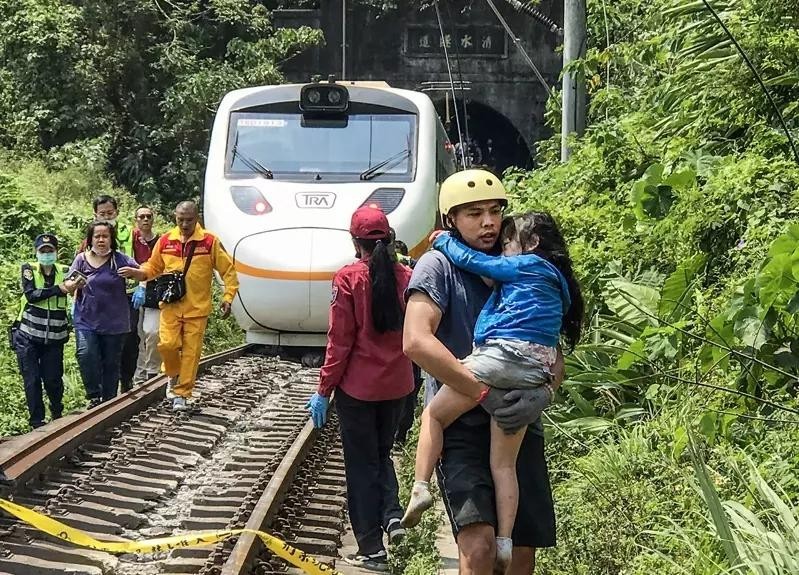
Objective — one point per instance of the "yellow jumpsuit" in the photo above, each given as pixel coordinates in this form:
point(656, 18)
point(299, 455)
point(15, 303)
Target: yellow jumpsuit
point(183, 322)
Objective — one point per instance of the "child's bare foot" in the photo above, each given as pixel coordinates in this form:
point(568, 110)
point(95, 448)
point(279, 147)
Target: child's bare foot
point(421, 500)
point(504, 555)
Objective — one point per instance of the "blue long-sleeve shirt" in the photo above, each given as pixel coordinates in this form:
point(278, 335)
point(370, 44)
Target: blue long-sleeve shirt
point(528, 304)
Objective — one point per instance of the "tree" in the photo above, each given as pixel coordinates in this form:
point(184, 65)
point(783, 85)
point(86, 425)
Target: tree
point(143, 76)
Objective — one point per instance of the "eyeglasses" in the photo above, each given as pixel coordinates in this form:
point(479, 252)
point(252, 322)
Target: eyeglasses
point(144, 217)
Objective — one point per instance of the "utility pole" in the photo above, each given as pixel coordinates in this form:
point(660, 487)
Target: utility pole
point(574, 102)
point(343, 39)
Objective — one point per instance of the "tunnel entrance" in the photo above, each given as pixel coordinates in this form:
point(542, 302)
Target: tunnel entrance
point(495, 141)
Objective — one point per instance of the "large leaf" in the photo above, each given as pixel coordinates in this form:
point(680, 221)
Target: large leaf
point(651, 198)
point(675, 295)
point(633, 303)
point(777, 281)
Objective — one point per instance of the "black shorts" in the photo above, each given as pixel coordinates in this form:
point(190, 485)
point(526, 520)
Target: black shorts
point(464, 475)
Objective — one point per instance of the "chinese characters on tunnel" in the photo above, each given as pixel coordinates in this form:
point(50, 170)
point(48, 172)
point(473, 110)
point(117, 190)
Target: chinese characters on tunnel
point(469, 40)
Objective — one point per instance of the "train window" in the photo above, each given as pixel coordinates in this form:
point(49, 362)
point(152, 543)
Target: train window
point(379, 146)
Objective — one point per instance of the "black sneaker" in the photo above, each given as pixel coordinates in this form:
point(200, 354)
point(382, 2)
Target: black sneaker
point(374, 562)
point(395, 531)
point(94, 402)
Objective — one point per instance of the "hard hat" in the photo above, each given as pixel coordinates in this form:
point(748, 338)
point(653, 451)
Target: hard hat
point(470, 186)
point(369, 223)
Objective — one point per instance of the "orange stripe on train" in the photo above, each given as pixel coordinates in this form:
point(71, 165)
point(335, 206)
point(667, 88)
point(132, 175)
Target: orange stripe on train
point(249, 270)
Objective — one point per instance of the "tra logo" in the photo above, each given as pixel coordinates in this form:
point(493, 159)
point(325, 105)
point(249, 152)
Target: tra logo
point(323, 200)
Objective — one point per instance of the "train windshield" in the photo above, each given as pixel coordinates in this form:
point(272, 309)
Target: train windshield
point(379, 146)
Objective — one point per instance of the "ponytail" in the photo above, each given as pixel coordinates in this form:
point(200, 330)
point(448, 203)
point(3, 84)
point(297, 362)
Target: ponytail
point(387, 313)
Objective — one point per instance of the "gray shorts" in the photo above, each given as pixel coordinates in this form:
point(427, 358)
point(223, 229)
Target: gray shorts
point(511, 363)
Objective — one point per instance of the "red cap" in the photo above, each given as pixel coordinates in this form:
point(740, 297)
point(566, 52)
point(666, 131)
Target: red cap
point(369, 223)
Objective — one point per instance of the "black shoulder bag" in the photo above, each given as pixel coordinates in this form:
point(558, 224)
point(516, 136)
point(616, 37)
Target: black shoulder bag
point(171, 287)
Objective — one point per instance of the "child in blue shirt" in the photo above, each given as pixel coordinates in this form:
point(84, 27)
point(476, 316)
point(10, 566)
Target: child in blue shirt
point(516, 336)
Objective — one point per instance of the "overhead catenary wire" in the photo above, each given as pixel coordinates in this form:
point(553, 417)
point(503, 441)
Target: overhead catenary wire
point(519, 47)
point(460, 79)
point(451, 81)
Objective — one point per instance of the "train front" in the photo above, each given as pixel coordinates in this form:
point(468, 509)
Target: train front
point(287, 167)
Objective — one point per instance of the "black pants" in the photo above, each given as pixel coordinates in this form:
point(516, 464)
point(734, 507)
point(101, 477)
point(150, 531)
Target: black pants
point(409, 407)
point(39, 364)
point(130, 351)
point(367, 434)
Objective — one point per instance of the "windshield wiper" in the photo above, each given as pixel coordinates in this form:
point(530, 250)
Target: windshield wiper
point(251, 163)
point(385, 165)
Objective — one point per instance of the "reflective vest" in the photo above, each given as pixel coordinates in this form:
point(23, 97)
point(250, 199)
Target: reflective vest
point(125, 245)
point(124, 239)
point(45, 320)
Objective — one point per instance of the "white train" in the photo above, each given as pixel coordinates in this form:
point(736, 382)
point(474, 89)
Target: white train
point(289, 164)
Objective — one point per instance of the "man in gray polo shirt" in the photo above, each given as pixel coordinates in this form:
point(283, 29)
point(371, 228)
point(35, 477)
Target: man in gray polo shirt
point(443, 305)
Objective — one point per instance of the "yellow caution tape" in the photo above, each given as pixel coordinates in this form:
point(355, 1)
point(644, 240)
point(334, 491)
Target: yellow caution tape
point(162, 544)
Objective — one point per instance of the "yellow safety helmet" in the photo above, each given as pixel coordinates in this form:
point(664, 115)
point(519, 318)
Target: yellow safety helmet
point(470, 186)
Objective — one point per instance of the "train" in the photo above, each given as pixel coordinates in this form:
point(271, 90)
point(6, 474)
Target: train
point(289, 164)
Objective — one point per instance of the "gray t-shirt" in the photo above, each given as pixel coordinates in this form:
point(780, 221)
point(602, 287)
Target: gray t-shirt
point(460, 296)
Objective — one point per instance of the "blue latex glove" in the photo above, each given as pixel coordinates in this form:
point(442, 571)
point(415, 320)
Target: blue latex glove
point(317, 405)
point(138, 297)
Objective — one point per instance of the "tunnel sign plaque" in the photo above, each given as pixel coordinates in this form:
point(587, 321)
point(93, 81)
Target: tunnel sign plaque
point(424, 40)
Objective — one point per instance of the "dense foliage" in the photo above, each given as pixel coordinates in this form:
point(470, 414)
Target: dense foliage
point(679, 202)
point(136, 81)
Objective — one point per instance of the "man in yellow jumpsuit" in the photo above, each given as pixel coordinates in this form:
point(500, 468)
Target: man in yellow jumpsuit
point(183, 322)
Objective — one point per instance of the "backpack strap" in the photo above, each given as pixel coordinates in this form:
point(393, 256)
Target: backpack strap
point(189, 257)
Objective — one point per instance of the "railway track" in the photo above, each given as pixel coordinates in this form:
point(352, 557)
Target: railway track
point(244, 455)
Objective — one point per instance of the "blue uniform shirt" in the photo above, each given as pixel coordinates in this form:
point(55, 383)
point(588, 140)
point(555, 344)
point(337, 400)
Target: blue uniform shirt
point(530, 301)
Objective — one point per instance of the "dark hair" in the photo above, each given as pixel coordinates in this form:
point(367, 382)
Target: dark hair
point(551, 247)
point(387, 313)
point(143, 207)
point(104, 199)
point(401, 247)
point(96, 224)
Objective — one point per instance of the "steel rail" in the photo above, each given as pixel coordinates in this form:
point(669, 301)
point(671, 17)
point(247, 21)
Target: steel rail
point(39, 449)
point(249, 545)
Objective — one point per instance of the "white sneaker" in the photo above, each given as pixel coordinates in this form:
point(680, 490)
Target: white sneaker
point(179, 404)
point(173, 381)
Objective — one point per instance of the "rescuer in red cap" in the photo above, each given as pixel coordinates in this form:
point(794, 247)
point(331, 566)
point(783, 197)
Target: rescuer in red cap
point(364, 363)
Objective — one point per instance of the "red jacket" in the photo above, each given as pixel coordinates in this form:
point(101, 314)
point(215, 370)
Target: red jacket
point(367, 365)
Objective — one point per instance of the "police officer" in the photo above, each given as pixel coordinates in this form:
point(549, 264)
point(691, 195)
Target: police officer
point(42, 329)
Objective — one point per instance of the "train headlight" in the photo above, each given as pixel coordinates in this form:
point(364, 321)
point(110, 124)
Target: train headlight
point(249, 200)
point(314, 97)
point(324, 98)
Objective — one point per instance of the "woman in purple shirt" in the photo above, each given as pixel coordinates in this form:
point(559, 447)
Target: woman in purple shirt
point(102, 313)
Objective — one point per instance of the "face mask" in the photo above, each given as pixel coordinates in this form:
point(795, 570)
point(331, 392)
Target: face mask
point(101, 252)
point(46, 259)
point(112, 222)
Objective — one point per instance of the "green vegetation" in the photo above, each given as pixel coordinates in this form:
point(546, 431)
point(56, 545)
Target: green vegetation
point(673, 447)
point(140, 79)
